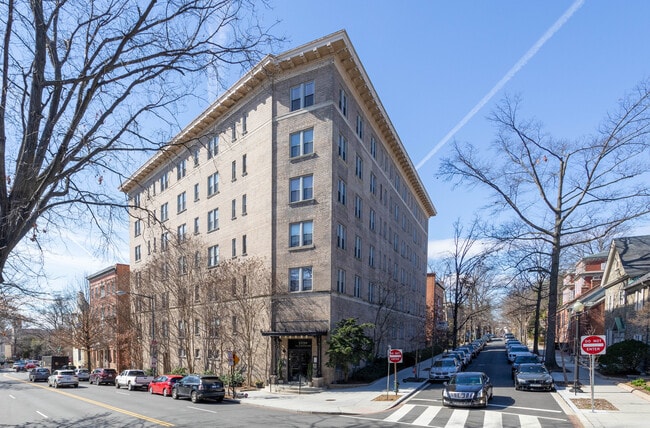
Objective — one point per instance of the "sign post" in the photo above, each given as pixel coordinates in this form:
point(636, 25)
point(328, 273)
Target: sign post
point(592, 346)
point(394, 356)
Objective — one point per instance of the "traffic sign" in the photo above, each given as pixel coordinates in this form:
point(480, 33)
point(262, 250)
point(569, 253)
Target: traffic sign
point(593, 345)
point(395, 355)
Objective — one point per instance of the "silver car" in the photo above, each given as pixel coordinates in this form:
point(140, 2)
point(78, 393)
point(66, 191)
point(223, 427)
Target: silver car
point(82, 374)
point(443, 369)
point(63, 378)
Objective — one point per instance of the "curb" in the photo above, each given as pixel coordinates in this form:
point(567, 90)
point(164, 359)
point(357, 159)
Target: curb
point(634, 390)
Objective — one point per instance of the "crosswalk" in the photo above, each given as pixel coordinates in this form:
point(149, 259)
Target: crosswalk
point(443, 417)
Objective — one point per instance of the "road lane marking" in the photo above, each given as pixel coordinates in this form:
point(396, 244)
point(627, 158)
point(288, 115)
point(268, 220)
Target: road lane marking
point(427, 416)
point(42, 414)
point(529, 421)
point(398, 414)
point(457, 419)
point(503, 406)
point(203, 410)
point(99, 403)
point(493, 420)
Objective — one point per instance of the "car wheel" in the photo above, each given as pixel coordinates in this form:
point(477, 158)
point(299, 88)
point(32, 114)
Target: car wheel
point(165, 392)
point(219, 400)
point(194, 397)
point(76, 385)
point(130, 386)
point(174, 394)
point(117, 385)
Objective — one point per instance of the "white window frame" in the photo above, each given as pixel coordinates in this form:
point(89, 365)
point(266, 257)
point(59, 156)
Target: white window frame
point(301, 188)
point(340, 281)
point(301, 233)
point(164, 212)
point(213, 256)
point(181, 202)
point(213, 184)
point(343, 148)
point(343, 102)
point(341, 237)
point(213, 146)
point(304, 279)
point(301, 143)
point(213, 220)
point(302, 96)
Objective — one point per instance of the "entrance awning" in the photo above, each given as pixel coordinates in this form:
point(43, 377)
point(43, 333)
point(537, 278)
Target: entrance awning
point(312, 333)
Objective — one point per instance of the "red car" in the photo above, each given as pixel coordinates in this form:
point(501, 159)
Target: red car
point(163, 384)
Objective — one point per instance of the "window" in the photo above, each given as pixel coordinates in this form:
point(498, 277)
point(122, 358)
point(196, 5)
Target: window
point(243, 205)
point(233, 132)
point(181, 204)
point(164, 182)
point(373, 184)
point(233, 209)
point(195, 155)
point(343, 102)
point(371, 292)
point(138, 253)
point(213, 184)
point(302, 96)
point(137, 227)
point(213, 146)
point(371, 256)
point(136, 201)
point(181, 232)
point(164, 212)
point(302, 188)
point(357, 286)
point(243, 165)
point(371, 220)
point(181, 169)
point(196, 225)
point(341, 191)
point(340, 236)
point(213, 256)
point(373, 147)
point(340, 281)
point(301, 233)
point(358, 205)
point(301, 143)
point(244, 123)
point(213, 219)
point(233, 243)
point(300, 279)
point(182, 265)
point(233, 171)
point(182, 330)
point(164, 241)
point(243, 245)
point(357, 247)
point(359, 127)
point(343, 148)
point(358, 167)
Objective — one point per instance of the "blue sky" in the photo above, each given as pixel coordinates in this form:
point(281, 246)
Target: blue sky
point(432, 62)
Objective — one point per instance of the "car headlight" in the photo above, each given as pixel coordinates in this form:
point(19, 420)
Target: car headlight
point(480, 394)
point(445, 393)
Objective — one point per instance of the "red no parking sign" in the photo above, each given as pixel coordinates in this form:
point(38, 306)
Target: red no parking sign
point(395, 355)
point(593, 345)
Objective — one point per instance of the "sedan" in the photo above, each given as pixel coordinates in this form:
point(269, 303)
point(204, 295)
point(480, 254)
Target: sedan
point(468, 389)
point(83, 374)
point(39, 374)
point(533, 377)
point(443, 369)
point(163, 384)
point(63, 378)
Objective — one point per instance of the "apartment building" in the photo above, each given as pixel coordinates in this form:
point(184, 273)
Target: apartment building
point(291, 197)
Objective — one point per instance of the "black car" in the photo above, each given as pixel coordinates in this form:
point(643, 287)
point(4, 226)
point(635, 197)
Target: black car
point(199, 387)
point(101, 375)
point(39, 373)
point(533, 377)
point(467, 389)
point(524, 359)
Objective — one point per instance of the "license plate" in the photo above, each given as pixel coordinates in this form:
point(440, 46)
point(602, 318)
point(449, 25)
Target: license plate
point(535, 385)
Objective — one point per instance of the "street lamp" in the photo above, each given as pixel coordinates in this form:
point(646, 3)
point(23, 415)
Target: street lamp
point(578, 307)
point(154, 362)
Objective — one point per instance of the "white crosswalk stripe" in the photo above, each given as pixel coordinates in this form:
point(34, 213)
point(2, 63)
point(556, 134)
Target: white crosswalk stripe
point(427, 416)
point(493, 420)
point(457, 419)
point(399, 413)
point(529, 421)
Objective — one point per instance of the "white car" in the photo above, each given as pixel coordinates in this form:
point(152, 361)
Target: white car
point(63, 378)
point(443, 369)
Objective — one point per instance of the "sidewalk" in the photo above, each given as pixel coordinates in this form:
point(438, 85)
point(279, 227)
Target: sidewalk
point(364, 399)
point(633, 407)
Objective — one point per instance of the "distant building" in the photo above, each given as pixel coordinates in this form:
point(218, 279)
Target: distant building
point(437, 325)
point(298, 166)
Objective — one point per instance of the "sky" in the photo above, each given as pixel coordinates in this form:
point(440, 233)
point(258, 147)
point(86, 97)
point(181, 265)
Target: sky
point(440, 67)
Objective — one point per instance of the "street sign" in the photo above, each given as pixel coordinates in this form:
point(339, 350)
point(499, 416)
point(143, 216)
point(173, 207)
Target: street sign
point(593, 345)
point(395, 355)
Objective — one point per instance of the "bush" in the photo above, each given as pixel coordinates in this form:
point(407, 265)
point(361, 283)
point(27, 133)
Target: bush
point(179, 371)
point(622, 358)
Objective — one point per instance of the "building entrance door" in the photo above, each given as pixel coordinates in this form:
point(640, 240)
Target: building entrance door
point(299, 358)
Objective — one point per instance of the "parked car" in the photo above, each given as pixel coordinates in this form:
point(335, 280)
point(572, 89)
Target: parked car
point(31, 364)
point(39, 374)
point(83, 374)
point(443, 369)
point(19, 366)
point(63, 378)
point(103, 376)
point(133, 379)
point(163, 384)
point(528, 358)
point(533, 377)
point(514, 351)
point(199, 387)
point(467, 389)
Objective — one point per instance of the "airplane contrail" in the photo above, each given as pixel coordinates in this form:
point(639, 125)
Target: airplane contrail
point(509, 75)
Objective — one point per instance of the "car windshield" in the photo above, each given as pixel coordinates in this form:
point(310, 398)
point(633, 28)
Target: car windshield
point(444, 363)
point(532, 369)
point(466, 380)
point(526, 359)
point(518, 349)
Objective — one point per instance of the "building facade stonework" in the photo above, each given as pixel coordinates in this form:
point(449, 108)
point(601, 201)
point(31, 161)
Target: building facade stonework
point(298, 167)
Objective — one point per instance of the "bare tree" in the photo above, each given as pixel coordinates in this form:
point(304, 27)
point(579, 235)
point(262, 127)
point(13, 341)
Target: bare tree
point(79, 82)
point(559, 189)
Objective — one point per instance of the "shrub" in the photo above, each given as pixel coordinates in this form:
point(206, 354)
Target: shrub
point(623, 358)
point(179, 371)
